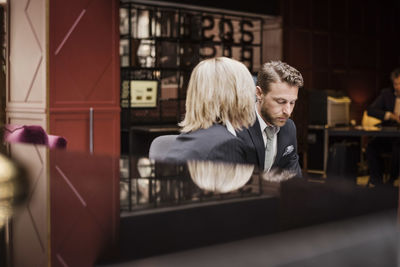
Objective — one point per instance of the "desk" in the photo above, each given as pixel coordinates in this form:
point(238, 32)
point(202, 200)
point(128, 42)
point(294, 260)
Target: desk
point(346, 132)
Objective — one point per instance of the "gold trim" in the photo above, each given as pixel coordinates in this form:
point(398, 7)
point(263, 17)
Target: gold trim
point(47, 55)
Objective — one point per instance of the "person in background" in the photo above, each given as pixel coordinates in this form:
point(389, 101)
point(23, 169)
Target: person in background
point(273, 135)
point(220, 100)
point(386, 108)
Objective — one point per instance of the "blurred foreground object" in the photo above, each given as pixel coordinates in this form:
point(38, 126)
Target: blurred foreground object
point(13, 187)
point(278, 175)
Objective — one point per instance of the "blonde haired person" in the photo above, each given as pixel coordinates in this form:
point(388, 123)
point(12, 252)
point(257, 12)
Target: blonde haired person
point(220, 100)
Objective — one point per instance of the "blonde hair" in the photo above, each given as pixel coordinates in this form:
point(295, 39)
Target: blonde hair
point(219, 177)
point(220, 90)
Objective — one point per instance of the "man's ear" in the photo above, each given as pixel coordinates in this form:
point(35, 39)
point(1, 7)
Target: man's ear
point(259, 93)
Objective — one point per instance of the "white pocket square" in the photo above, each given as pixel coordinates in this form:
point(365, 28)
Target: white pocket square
point(288, 150)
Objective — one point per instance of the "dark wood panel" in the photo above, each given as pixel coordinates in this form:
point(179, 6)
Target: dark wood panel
point(84, 221)
point(387, 59)
point(360, 88)
point(387, 15)
point(361, 93)
point(84, 64)
point(300, 13)
point(320, 15)
point(84, 72)
point(355, 54)
point(371, 16)
point(320, 52)
point(339, 80)
point(74, 126)
point(300, 48)
point(356, 16)
point(339, 16)
point(321, 80)
point(339, 51)
point(362, 52)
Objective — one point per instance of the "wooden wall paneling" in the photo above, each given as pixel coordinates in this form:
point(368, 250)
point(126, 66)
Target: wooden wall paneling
point(362, 45)
point(272, 40)
point(74, 126)
point(84, 64)
point(320, 51)
point(338, 51)
point(362, 52)
point(321, 80)
point(387, 18)
point(26, 90)
point(387, 60)
point(360, 88)
point(300, 49)
point(320, 15)
point(338, 16)
point(26, 104)
point(106, 141)
point(339, 80)
point(84, 221)
point(372, 8)
point(300, 13)
point(356, 16)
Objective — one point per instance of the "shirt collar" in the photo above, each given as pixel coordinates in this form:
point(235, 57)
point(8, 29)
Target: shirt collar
point(230, 128)
point(264, 125)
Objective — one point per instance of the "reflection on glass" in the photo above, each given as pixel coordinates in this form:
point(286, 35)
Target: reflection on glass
point(219, 177)
point(143, 24)
point(123, 21)
point(146, 53)
point(124, 53)
point(278, 175)
point(153, 184)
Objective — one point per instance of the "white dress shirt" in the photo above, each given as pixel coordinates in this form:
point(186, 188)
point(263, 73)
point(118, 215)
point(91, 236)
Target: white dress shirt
point(270, 151)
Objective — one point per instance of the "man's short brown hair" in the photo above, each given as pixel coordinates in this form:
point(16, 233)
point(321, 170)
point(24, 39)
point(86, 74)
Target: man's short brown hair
point(278, 71)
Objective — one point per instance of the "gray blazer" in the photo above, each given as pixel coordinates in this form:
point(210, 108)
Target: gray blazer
point(286, 156)
point(215, 144)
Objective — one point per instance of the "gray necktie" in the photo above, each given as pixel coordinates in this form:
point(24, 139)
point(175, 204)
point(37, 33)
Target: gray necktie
point(269, 148)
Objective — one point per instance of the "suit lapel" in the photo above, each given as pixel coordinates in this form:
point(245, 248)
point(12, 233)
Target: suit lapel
point(279, 147)
point(256, 137)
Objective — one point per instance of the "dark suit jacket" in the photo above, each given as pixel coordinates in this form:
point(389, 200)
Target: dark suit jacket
point(215, 144)
point(286, 156)
point(384, 102)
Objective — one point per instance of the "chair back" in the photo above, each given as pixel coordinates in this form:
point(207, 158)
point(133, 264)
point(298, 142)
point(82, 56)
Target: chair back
point(160, 146)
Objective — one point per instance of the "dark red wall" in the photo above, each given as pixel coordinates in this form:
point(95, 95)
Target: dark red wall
point(84, 73)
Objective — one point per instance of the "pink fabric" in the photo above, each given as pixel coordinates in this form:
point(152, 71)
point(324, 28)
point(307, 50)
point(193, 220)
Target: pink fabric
point(57, 141)
point(32, 134)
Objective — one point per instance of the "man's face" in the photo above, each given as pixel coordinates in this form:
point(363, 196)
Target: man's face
point(276, 106)
point(396, 85)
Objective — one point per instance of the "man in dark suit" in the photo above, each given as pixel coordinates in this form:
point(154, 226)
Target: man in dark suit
point(386, 107)
point(273, 135)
